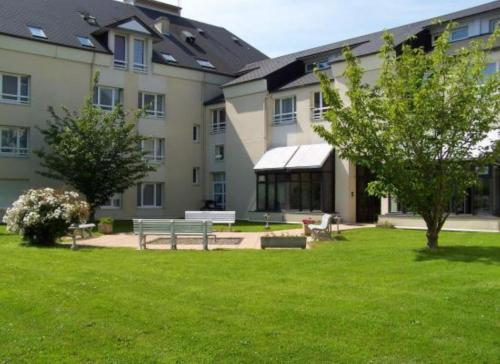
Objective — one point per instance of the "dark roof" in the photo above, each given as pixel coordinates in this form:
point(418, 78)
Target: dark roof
point(216, 100)
point(62, 22)
point(361, 46)
point(305, 80)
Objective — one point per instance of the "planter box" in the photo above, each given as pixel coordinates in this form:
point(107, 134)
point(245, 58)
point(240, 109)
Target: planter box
point(105, 229)
point(283, 242)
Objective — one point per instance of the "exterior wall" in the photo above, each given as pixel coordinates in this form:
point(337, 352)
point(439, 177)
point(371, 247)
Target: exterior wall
point(63, 76)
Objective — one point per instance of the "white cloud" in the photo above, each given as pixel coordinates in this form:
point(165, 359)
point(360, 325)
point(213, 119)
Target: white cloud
point(283, 26)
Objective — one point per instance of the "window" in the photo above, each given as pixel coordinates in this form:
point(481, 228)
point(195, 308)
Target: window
point(140, 55)
point(150, 195)
point(107, 97)
point(219, 152)
point(14, 88)
point(37, 32)
point(152, 104)
point(490, 70)
point(167, 57)
point(196, 176)
point(493, 24)
point(285, 110)
point(120, 56)
point(205, 64)
point(320, 107)
point(196, 133)
point(154, 149)
point(459, 33)
point(218, 121)
point(115, 202)
point(13, 141)
point(85, 42)
point(321, 65)
point(219, 190)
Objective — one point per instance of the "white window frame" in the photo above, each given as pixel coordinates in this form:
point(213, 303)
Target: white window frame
point(458, 29)
point(116, 97)
point(85, 41)
point(285, 118)
point(119, 63)
point(155, 157)
point(218, 125)
point(141, 186)
point(319, 112)
point(18, 150)
point(117, 197)
point(155, 112)
point(140, 67)
point(195, 177)
point(219, 152)
point(37, 32)
point(221, 182)
point(196, 130)
point(20, 99)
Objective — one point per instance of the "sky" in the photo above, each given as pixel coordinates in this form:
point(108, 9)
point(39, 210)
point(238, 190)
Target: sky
point(278, 27)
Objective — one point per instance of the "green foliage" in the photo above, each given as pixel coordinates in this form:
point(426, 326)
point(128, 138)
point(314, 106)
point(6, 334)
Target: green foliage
point(105, 220)
point(417, 128)
point(96, 152)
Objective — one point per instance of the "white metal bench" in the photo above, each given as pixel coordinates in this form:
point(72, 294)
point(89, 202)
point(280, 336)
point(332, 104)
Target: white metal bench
point(82, 229)
point(173, 229)
point(217, 217)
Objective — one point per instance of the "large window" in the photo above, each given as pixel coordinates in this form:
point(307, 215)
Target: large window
point(140, 55)
point(152, 104)
point(154, 149)
point(459, 33)
point(115, 202)
point(13, 141)
point(285, 110)
point(150, 195)
point(300, 191)
point(219, 152)
point(120, 55)
point(14, 88)
point(493, 24)
point(320, 107)
point(219, 189)
point(218, 121)
point(107, 97)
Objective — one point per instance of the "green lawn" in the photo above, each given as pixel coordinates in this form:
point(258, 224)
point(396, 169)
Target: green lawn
point(125, 226)
point(376, 297)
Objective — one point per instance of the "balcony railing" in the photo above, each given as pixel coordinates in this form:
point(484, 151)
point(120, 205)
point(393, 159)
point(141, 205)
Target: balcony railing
point(285, 118)
point(121, 64)
point(318, 114)
point(218, 128)
point(140, 67)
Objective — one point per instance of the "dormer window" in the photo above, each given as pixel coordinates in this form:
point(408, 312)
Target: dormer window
point(459, 33)
point(167, 57)
point(37, 32)
point(205, 63)
point(493, 24)
point(321, 65)
point(120, 56)
point(140, 55)
point(85, 42)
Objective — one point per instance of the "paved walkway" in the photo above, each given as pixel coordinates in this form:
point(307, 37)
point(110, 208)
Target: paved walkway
point(225, 240)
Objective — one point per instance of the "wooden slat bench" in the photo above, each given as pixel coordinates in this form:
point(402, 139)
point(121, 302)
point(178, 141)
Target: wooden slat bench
point(217, 217)
point(173, 229)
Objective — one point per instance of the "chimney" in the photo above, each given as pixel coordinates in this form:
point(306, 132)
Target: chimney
point(159, 5)
point(130, 2)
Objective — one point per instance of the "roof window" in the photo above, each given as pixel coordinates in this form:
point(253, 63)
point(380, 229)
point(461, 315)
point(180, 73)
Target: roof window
point(205, 63)
point(85, 42)
point(37, 32)
point(167, 57)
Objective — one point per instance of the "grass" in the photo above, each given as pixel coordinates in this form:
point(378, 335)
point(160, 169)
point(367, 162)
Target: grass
point(376, 297)
point(125, 226)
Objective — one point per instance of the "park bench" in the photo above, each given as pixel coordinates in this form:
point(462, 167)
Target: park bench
point(82, 229)
point(173, 229)
point(217, 217)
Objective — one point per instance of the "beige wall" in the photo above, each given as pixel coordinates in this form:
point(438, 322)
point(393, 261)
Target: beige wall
point(62, 76)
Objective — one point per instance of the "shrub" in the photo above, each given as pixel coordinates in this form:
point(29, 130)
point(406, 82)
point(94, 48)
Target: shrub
point(42, 216)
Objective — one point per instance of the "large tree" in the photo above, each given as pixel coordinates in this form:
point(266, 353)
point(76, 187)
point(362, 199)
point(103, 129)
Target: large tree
point(96, 152)
point(420, 127)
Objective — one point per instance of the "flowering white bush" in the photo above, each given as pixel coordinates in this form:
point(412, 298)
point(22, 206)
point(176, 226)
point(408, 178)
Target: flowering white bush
point(42, 216)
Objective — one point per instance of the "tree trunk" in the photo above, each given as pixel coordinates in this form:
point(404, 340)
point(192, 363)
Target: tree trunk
point(432, 238)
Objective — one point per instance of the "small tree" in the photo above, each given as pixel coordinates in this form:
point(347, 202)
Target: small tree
point(96, 152)
point(419, 128)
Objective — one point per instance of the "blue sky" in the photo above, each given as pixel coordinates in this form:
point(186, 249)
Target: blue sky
point(278, 27)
